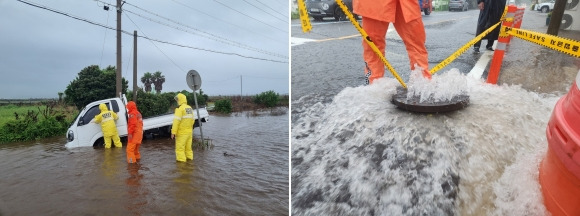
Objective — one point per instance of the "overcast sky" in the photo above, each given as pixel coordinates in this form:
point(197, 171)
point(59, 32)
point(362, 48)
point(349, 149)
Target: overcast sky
point(42, 51)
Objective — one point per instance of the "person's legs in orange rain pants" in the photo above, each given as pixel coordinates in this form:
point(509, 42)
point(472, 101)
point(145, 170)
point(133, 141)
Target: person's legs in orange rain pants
point(133, 144)
point(413, 35)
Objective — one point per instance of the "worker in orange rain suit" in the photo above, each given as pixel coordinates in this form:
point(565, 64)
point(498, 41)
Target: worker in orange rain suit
point(182, 129)
point(135, 130)
point(406, 17)
point(107, 120)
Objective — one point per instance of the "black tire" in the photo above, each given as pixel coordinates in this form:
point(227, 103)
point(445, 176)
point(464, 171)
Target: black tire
point(545, 9)
point(427, 11)
point(338, 14)
point(99, 143)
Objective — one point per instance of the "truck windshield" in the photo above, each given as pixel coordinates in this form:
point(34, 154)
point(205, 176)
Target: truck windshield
point(89, 115)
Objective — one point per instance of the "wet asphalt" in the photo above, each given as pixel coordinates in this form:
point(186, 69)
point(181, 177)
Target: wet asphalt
point(332, 60)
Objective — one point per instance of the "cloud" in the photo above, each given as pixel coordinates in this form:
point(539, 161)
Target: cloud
point(41, 51)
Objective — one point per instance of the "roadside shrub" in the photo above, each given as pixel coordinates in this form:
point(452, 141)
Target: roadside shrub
point(268, 99)
point(223, 106)
point(295, 14)
point(92, 84)
point(150, 104)
point(201, 98)
point(31, 127)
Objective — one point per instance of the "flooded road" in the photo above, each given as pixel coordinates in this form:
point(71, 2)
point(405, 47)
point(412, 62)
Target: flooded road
point(360, 155)
point(44, 177)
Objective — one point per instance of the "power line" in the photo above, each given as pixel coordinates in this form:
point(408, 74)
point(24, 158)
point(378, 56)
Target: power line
point(232, 24)
point(285, 16)
point(286, 21)
point(211, 36)
point(104, 40)
point(246, 76)
point(155, 44)
point(250, 17)
point(157, 40)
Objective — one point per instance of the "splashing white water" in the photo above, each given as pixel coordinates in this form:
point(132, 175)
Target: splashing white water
point(440, 88)
point(359, 155)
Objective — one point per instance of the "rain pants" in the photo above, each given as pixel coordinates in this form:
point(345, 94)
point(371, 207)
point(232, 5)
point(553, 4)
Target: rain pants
point(182, 128)
point(406, 17)
point(107, 120)
point(135, 130)
point(490, 15)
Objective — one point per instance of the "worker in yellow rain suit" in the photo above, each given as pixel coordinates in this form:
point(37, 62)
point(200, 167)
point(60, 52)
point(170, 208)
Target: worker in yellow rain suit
point(406, 17)
point(182, 129)
point(107, 120)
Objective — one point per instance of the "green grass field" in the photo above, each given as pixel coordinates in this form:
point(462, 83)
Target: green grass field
point(7, 112)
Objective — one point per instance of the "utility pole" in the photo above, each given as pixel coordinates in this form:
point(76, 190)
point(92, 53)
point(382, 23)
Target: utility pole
point(135, 66)
point(556, 19)
point(119, 87)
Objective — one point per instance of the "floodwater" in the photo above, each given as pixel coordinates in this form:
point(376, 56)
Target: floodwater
point(45, 178)
point(360, 155)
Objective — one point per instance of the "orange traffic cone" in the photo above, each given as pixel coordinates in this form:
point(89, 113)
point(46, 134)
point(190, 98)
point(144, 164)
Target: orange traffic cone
point(560, 169)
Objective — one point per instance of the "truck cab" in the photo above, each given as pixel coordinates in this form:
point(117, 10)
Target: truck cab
point(84, 130)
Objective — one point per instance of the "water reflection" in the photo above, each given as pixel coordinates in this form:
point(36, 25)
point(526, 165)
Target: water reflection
point(42, 177)
point(185, 188)
point(135, 191)
point(111, 164)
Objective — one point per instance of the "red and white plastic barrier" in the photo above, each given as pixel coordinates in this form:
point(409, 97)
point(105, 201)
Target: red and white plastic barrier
point(560, 168)
point(514, 19)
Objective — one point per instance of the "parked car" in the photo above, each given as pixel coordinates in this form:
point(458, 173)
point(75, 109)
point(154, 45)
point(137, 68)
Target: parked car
point(318, 9)
point(458, 5)
point(546, 6)
point(426, 6)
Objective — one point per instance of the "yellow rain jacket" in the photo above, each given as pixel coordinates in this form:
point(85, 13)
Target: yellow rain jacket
point(183, 129)
point(107, 120)
point(184, 117)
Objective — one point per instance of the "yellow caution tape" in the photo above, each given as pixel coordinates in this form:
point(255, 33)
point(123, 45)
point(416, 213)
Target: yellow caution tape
point(465, 47)
point(461, 50)
point(304, 20)
point(564, 45)
point(366, 37)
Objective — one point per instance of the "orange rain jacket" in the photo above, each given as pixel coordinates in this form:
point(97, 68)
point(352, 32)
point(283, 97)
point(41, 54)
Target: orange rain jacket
point(135, 130)
point(386, 10)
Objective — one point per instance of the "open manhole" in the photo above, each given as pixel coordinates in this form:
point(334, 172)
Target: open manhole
point(414, 104)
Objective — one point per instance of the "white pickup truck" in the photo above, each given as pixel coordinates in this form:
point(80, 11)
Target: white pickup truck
point(83, 132)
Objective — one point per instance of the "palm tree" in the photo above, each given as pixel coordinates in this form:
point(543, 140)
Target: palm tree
point(147, 80)
point(158, 80)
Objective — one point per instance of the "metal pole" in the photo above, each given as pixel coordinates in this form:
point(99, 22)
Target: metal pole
point(119, 88)
point(135, 66)
point(198, 117)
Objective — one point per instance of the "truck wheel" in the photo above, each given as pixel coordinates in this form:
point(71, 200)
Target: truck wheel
point(545, 9)
point(99, 143)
